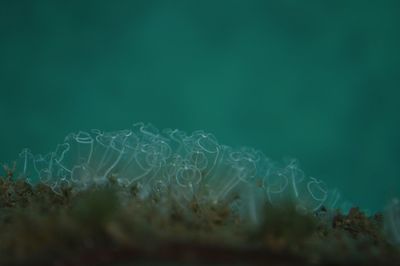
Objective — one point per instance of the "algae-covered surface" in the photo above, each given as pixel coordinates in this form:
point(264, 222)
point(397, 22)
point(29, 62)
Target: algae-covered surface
point(112, 225)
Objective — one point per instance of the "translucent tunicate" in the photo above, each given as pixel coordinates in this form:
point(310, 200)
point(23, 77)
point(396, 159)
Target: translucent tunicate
point(392, 221)
point(172, 162)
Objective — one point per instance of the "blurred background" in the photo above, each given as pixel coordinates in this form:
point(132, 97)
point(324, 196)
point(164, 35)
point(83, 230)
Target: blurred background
point(315, 80)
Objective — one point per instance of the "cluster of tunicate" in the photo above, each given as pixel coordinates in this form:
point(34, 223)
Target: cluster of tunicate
point(188, 165)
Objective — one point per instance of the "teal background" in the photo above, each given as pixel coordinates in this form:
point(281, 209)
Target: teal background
point(316, 80)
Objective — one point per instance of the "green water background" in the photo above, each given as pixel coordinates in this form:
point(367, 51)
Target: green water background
point(315, 80)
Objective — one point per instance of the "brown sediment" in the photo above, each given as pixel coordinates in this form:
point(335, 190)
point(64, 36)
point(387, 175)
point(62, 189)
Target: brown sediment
point(39, 226)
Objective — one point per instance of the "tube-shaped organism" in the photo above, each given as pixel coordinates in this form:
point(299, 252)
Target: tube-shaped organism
point(392, 221)
point(188, 166)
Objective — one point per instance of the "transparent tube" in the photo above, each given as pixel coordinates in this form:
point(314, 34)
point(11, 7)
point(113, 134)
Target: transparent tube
point(191, 166)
